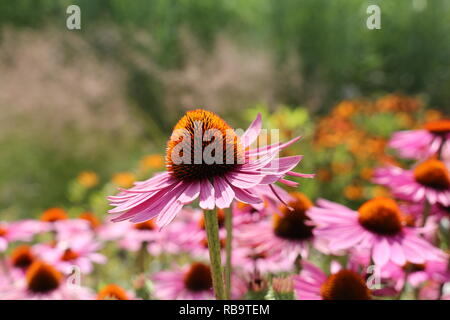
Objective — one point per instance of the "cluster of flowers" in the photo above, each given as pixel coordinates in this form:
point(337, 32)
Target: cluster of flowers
point(351, 140)
point(284, 245)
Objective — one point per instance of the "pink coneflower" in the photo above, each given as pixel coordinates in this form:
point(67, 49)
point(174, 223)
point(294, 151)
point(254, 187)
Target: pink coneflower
point(54, 214)
point(81, 252)
point(216, 184)
point(377, 226)
point(43, 281)
point(132, 237)
point(244, 213)
point(285, 237)
point(57, 220)
point(94, 223)
point(190, 236)
point(114, 292)
point(17, 231)
point(416, 274)
point(192, 282)
point(424, 143)
point(249, 261)
point(22, 257)
point(416, 216)
point(344, 284)
point(429, 180)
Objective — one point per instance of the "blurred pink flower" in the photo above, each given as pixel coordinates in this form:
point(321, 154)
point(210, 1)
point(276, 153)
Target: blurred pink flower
point(343, 284)
point(416, 274)
point(192, 282)
point(79, 252)
point(71, 228)
point(44, 282)
point(423, 143)
point(428, 180)
point(377, 226)
point(132, 237)
point(283, 237)
point(18, 231)
point(115, 292)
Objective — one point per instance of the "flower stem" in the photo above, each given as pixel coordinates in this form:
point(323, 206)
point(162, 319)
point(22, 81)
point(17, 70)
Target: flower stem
point(212, 234)
point(141, 259)
point(426, 212)
point(228, 248)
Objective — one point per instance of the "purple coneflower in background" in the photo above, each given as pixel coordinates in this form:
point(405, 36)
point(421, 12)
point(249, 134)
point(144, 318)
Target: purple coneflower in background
point(192, 282)
point(285, 237)
point(377, 226)
point(343, 284)
point(428, 180)
point(433, 139)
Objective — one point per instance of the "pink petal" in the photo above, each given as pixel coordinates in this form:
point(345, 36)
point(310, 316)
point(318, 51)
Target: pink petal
point(381, 251)
point(246, 196)
point(207, 199)
point(190, 194)
point(223, 192)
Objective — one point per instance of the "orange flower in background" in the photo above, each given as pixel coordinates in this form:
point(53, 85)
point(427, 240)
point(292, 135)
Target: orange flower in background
point(353, 192)
point(324, 175)
point(91, 218)
point(341, 167)
point(124, 179)
point(22, 257)
point(345, 109)
point(405, 119)
point(112, 292)
point(366, 173)
point(152, 162)
point(433, 115)
point(380, 191)
point(54, 214)
point(88, 179)
point(397, 102)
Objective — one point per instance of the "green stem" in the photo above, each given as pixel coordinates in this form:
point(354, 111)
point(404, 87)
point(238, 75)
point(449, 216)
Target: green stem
point(212, 233)
point(426, 212)
point(141, 259)
point(228, 248)
point(403, 290)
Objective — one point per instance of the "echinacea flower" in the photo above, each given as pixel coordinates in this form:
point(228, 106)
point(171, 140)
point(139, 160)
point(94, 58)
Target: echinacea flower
point(428, 180)
point(344, 284)
point(80, 252)
point(192, 282)
point(424, 143)
point(133, 237)
point(377, 226)
point(22, 257)
point(189, 234)
point(216, 173)
point(17, 231)
point(91, 218)
point(416, 274)
point(244, 213)
point(114, 292)
point(285, 237)
point(42, 281)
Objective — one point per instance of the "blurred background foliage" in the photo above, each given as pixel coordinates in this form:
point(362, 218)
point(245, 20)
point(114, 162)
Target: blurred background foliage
point(101, 98)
